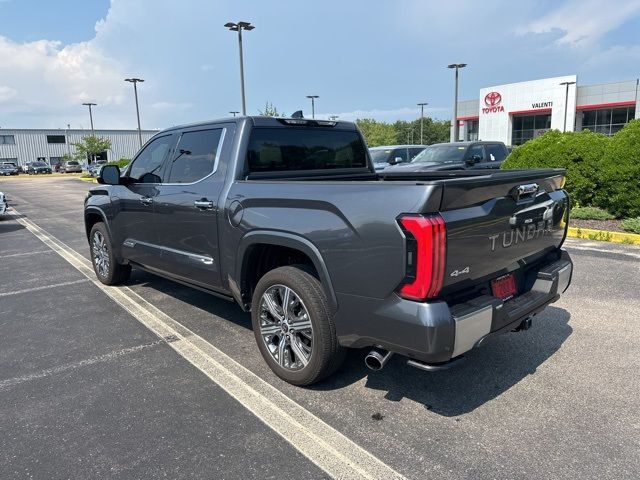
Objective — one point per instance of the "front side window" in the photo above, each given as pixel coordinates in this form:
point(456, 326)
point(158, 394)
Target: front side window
point(306, 148)
point(195, 156)
point(476, 151)
point(147, 167)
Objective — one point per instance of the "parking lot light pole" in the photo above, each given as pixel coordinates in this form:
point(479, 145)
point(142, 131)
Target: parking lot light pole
point(456, 126)
point(422, 105)
point(135, 92)
point(313, 104)
point(234, 112)
point(566, 100)
point(238, 27)
point(89, 104)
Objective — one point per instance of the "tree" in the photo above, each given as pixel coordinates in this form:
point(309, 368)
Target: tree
point(270, 110)
point(90, 146)
point(376, 133)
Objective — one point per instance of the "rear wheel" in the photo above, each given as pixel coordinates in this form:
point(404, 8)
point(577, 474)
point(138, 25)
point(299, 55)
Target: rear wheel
point(293, 326)
point(105, 264)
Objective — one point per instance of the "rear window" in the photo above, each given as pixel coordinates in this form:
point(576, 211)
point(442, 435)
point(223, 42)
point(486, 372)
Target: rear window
point(72, 163)
point(289, 149)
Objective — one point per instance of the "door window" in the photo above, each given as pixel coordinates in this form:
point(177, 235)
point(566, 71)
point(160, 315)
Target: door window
point(147, 166)
point(497, 153)
point(476, 150)
point(413, 152)
point(195, 156)
point(400, 153)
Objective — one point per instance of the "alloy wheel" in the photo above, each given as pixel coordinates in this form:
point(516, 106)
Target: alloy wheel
point(100, 254)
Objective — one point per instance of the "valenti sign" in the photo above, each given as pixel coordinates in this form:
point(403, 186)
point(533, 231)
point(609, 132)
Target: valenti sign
point(492, 101)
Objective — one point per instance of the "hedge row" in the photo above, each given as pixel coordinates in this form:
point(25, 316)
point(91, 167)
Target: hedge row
point(602, 171)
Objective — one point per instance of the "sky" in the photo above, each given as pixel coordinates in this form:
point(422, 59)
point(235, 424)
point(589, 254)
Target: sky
point(364, 58)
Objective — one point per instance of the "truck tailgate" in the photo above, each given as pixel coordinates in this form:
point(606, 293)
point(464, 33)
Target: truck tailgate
point(499, 222)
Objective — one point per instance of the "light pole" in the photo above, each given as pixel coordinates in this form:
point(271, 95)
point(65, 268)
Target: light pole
point(313, 104)
point(135, 91)
point(422, 105)
point(233, 112)
point(67, 139)
point(566, 100)
point(456, 127)
point(238, 27)
point(89, 104)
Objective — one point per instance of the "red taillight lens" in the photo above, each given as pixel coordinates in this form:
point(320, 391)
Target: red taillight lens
point(426, 253)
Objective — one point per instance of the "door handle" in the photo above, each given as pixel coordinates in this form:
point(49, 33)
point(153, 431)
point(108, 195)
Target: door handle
point(146, 200)
point(203, 204)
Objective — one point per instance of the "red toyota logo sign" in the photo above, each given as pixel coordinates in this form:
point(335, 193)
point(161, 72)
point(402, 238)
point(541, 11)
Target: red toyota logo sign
point(492, 99)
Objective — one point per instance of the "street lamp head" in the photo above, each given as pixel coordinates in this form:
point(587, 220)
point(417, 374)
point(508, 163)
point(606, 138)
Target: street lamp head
point(89, 104)
point(567, 83)
point(457, 65)
point(313, 96)
point(239, 26)
point(424, 104)
point(134, 80)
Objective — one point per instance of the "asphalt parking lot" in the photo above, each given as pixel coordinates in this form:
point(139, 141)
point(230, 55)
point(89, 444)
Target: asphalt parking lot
point(89, 391)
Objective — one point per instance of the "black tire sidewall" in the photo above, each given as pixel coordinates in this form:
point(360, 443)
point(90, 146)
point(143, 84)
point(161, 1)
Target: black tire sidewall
point(111, 278)
point(308, 288)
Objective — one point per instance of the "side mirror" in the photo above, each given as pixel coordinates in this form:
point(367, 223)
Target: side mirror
point(109, 175)
point(473, 159)
point(395, 160)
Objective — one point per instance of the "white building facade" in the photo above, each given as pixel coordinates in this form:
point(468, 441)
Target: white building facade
point(517, 112)
point(29, 145)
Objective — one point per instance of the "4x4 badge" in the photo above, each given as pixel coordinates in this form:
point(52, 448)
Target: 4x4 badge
point(455, 273)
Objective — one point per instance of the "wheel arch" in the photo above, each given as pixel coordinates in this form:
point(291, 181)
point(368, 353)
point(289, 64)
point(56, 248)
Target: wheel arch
point(253, 246)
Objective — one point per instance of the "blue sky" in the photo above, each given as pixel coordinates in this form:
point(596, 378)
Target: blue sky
point(373, 59)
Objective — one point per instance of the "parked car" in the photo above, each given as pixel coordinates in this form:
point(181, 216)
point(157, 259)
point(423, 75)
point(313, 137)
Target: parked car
point(289, 218)
point(3, 204)
point(382, 157)
point(95, 167)
point(7, 169)
point(477, 155)
point(39, 167)
point(71, 166)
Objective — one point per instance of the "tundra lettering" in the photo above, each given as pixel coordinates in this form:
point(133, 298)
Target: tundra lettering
point(523, 234)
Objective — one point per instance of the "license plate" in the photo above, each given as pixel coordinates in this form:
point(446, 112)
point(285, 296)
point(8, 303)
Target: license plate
point(504, 287)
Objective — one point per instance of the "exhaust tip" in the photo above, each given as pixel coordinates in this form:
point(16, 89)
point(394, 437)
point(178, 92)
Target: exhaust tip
point(377, 359)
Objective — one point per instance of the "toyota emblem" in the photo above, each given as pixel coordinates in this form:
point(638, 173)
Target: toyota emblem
point(492, 99)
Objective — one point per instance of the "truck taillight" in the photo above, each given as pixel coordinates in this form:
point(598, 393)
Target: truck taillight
point(426, 245)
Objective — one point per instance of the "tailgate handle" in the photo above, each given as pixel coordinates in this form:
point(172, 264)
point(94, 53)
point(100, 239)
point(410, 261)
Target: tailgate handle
point(526, 191)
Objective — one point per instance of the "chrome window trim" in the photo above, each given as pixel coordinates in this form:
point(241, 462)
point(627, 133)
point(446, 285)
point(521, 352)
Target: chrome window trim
point(216, 161)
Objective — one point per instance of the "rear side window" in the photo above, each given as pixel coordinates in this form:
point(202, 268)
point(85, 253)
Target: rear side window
point(496, 153)
point(195, 156)
point(413, 152)
point(288, 149)
point(475, 150)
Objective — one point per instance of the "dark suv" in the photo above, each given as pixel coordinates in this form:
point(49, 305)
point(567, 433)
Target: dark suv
point(457, 156)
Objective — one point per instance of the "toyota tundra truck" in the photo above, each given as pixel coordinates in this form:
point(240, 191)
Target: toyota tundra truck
point(288, 218)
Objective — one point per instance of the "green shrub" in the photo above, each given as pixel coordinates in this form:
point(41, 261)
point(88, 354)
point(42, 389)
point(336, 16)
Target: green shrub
point(619, 173)
point(631, 225)
point(123, 162)
point(580, 153)
point(590, 213)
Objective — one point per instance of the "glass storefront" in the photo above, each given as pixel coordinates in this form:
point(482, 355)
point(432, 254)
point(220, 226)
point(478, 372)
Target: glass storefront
point(526, 127)
point(607, 120)
point(471, 132)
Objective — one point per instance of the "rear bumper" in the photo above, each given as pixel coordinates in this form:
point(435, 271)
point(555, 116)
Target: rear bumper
point(436, 332)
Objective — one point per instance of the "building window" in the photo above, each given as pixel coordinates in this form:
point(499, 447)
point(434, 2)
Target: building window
point(526, 127)
point(56, 139)
point(7, 140)
point(607, 120)
point(472, 130)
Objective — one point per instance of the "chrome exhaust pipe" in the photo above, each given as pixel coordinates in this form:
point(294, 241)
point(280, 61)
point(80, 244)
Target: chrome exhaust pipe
point(376, 359)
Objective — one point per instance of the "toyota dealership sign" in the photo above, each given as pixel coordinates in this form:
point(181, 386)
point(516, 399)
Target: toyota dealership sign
point(500, 104)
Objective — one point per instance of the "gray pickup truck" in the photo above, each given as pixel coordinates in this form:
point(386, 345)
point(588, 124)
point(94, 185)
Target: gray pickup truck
point(288, 218)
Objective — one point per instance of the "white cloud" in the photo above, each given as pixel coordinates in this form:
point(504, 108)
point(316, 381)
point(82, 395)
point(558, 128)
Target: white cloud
point(6, 93)
point(583, 22)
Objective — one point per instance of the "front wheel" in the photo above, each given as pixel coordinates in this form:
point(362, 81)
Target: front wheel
point(105, 264)
point(293, 326)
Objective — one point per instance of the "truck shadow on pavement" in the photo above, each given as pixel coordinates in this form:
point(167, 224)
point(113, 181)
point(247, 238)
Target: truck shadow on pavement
point(487, 372)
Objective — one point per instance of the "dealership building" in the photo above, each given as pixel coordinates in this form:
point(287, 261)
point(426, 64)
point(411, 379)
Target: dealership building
point(27, 145)
point(517, 112)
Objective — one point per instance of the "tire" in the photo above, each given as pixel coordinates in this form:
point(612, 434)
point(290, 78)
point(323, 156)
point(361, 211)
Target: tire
point(110, 272)
point(325, 355)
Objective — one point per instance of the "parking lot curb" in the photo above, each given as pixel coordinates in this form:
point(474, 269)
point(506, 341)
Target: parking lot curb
point(603, 235)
